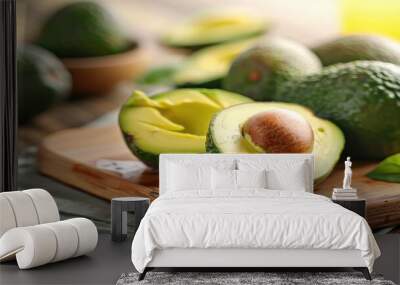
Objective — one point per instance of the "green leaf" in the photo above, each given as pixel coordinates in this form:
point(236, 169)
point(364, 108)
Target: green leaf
point(387, 170)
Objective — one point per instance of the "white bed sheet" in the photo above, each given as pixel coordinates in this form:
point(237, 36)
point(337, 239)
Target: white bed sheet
point(250, 219)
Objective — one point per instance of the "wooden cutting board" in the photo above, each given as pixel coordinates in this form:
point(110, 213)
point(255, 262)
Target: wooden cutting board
point(71, 155)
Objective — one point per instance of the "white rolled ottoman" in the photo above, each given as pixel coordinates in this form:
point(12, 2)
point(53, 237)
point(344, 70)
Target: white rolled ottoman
point(31, 230)
point(40, 244)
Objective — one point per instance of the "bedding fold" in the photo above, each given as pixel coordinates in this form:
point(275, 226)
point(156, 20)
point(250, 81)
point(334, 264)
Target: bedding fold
point(250, 219)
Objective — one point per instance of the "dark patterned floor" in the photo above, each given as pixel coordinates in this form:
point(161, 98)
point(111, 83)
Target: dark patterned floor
point(243, 278)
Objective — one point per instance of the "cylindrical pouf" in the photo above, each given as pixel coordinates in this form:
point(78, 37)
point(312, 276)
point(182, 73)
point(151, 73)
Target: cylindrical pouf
point(67, 239)
point(33, 246)
point(40, 244)
point(46, 207)
point(87, 235)
point(23, 208)
point(7, 218)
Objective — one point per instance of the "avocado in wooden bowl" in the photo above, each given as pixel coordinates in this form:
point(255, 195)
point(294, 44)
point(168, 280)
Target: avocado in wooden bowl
point(92, 46)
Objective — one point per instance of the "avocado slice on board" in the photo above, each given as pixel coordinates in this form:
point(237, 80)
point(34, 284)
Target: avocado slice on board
point(225, 134)
point(214, 29)
point(172, 122)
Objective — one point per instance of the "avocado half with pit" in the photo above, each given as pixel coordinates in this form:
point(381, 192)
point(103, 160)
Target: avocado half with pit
point(214, 29)
point(172, 122)
point(225, 134)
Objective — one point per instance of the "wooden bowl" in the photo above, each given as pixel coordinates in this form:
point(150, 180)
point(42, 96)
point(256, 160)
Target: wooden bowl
point(98, 75)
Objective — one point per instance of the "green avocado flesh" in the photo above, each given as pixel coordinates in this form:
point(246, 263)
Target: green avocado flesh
point(172, 122)
point(225, 134)
point(83, 29)
point(214, 29)
point(259, 71)
point(358, 47)
point(361, 97)
point(205, 68)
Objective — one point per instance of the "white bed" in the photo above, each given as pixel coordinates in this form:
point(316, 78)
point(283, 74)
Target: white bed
point(248, 227)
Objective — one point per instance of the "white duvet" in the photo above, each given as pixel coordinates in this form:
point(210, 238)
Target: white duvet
point(250, 219)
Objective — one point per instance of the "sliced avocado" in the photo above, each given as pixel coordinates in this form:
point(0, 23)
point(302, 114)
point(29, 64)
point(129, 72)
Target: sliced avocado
point(225, 134)
point(205, 68)
point(172, 122)
point(214, 29)
point(83, 29)
point(259, 71)
point(159, 75)
point(358, 47)
point(361, 97)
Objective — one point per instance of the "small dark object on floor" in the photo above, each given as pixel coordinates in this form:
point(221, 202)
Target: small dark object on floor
point(119, 215)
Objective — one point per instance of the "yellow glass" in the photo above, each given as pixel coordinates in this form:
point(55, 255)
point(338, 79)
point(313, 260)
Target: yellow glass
point(371, 16)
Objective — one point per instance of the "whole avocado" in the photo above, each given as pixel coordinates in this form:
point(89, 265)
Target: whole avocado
point(358, 47)
point(82, 29)
point(42, 81)
point(361, 97)
point(259, 71)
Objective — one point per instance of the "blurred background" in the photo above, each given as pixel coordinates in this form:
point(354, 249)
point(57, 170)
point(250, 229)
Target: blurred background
point(89, 97)
point(78, 61)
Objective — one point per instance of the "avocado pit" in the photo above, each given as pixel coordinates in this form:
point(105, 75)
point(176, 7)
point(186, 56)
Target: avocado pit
point(278, 131)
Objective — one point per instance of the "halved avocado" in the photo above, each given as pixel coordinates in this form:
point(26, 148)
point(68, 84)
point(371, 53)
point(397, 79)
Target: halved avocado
point(225, 134)
point(214, 29)
point(172, 122)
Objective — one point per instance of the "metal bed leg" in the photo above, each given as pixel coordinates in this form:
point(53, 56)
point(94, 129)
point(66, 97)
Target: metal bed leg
point(364, 271)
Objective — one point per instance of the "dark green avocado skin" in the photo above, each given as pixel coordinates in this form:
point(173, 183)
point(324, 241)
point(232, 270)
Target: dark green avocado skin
point(215, 83)
point(42, 81)
point(82, 29)
point(151, 160)
point(361, 97)
point(210, 145)
point(358, 47)
point(257, 72)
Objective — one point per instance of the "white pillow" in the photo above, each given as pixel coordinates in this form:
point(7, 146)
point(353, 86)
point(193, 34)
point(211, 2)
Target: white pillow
point(183, 177)
point(251, 178)
point(293, 180)
point(226, 179)
point(223, 179)
point(292, 175)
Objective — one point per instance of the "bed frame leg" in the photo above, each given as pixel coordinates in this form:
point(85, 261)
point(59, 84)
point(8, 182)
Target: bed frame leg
point(364, 271)
point(143, 274)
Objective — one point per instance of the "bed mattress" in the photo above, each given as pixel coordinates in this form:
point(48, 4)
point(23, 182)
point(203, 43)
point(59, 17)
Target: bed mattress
point(251, 219)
